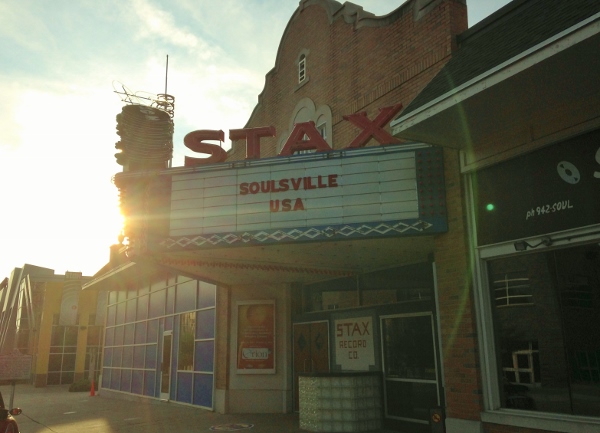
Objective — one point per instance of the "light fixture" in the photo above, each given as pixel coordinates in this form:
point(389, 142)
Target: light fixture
point(523, 245)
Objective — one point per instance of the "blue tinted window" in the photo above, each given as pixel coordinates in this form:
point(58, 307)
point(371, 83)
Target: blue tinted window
point(205, 324)
point(184, 387)
point(205, 352)
point(203, 388)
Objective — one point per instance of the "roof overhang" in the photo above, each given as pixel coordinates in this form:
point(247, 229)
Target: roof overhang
point(300, 263)
point(124, 277)
point(546, 89)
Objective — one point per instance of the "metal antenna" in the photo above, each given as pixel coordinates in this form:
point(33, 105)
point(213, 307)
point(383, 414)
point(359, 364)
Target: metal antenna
point(166, 74)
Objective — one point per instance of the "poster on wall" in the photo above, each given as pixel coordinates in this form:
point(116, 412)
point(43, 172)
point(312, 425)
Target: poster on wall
point(256, 337)
point(354, 343)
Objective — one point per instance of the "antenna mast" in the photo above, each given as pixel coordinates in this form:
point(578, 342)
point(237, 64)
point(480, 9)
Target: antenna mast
point(166, 74)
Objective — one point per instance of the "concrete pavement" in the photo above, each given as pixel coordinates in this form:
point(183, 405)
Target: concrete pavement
point(54, 409)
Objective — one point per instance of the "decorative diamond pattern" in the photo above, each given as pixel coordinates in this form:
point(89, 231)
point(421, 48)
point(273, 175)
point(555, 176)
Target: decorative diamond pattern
point(390, 228)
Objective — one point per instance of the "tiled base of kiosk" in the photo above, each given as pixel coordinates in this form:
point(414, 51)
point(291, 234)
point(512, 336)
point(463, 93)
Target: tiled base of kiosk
point(340, 402)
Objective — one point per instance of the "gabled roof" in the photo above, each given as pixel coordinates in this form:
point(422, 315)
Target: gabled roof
point(527, 74)
point(510, 31)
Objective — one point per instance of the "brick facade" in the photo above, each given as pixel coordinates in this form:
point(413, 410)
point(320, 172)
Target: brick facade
point(356, 66)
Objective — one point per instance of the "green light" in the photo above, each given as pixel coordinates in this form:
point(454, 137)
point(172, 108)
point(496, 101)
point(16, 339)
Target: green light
point(489, 207)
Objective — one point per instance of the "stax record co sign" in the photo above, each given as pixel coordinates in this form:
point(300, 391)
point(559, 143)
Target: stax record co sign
point(356, 192)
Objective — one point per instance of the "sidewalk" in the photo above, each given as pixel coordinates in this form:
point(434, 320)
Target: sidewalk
point(55, 409)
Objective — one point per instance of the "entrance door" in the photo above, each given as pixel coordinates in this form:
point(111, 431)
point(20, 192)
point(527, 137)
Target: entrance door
point(311, 351)
point(165, 365)
point(410, 367)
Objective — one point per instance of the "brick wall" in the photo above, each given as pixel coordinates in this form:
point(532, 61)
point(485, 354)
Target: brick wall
point(353, 67)
point(457, 312)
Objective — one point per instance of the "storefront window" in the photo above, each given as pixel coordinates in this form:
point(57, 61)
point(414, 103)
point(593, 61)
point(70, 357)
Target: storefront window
point(389, 286)
point(546, 307)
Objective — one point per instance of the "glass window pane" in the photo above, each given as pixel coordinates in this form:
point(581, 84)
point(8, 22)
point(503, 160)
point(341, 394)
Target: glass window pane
point(185, 299)
point(548, 345)
point(142, 312)
point(157, 303)
point(58, 336)
point(169, 323)
point(126, 380)
point(116, 359)
point(112, 297)
point(171, 300)
point(151, 356)
point(140, 332)
point(139, 353)
point(71, 333)
point(108, 357)
point(106, 377)
point(409, 350)
point(129, 333)
point(187, 328)
point(130, 313)
point(112, 312)
point(119, 335)
point(55, 362)
point(206, 294)
point(149, 383)
point(115, 378)
point(120, 317)
point(205, 353)
point(152, 331)
point(137, 381)
point(127, 360)
point(184, 387)
point(410, 399)
point(203, 387)
point(68, 362)
point(205, 325)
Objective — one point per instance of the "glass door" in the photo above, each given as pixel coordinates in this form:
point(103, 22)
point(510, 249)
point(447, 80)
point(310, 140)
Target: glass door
point(165, 365)
point(410, 367)
point(311, 351)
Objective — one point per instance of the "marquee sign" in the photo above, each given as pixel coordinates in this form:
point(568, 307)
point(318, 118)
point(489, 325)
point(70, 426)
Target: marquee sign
point(357, 193)
point(550, 190)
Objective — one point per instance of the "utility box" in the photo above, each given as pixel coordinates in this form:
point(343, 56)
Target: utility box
point(436, 420)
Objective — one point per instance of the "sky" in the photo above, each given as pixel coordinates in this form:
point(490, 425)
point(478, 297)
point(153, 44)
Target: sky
point(60, 62)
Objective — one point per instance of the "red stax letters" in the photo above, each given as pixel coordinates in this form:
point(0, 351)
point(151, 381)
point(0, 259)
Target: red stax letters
point(373, 128)
point(295, 142)
point(252, 136)
point(193, 141)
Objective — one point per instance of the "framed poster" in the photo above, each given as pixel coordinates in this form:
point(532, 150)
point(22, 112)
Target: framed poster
point(256, 337)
